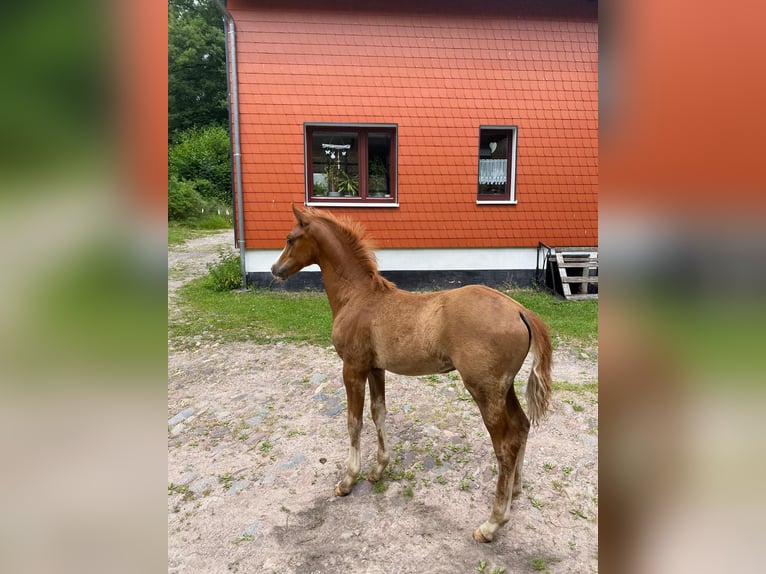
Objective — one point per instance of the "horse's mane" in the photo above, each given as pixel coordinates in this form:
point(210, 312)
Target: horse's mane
point(352, 233)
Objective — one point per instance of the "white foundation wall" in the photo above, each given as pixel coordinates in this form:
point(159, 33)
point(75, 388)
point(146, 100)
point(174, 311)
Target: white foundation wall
point(500, 258)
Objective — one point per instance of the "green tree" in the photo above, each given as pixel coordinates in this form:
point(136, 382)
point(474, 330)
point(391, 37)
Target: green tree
point(196, 66)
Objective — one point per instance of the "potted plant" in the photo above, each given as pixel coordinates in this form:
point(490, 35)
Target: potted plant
point(333, 179)
point(347, 184)
point(320, 189)
point(376, 178)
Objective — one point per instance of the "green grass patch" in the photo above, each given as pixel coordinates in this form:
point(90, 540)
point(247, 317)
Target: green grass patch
point(254, 315)
point(181, 232)
point(265, 316)
point(576, 320)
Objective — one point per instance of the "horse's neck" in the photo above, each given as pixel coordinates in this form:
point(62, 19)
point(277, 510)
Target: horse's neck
point(343, 274)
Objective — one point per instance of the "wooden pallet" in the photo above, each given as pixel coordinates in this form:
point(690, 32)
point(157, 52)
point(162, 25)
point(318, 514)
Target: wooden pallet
point(568, 261)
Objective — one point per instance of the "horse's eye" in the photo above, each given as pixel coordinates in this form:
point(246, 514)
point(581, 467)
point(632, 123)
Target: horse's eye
point(290, 241)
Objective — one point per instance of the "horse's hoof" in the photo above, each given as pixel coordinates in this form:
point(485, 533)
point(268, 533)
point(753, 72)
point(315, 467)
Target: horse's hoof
point(340, 492)
point(479, 537)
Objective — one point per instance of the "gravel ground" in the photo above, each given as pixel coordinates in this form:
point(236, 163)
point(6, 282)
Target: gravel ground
point(257, 440)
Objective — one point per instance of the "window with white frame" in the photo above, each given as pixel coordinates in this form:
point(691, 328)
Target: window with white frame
point(351, 164)
point(497, 164)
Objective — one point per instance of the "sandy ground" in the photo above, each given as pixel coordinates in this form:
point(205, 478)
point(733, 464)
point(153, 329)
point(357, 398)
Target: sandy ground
point(257, 441)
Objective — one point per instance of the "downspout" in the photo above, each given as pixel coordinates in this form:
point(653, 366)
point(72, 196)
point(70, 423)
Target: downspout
point(233, 93)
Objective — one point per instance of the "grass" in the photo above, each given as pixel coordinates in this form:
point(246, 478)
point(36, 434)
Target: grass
point(244, 538)
point(579, 388)
point(577, 320)
point(379, 487)
point(578, 513)
point(179, 232)
point(267, 316)
point(482, 567)
point(182, 490)
point(226, 480)
point(578, 408)
point(255, 315)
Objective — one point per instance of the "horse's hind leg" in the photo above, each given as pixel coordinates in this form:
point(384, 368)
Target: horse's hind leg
point(508, 427)
point(354, 382)
point(519, 466)
point(515, 412)
point(377, 379)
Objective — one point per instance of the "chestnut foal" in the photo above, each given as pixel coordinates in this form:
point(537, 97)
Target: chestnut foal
point(480, 332)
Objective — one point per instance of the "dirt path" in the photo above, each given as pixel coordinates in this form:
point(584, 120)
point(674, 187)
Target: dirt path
point(257, 440)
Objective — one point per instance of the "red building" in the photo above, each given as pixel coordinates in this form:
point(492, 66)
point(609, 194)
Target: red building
point(460, 133)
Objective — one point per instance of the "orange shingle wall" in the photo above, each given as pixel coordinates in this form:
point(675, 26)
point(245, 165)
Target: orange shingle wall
point(438, 71)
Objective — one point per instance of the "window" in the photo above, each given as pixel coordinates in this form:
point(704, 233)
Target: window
point(354, 165)
point(497, 165)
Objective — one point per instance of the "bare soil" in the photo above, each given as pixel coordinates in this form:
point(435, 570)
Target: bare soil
point(257, 441)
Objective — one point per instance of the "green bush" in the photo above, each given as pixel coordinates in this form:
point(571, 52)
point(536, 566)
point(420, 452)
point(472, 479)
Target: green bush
point(202, 155)
point(183, 200)
point(226, 273)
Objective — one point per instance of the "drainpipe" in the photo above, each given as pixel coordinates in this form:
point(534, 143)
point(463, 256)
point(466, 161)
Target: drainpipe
point(233, 94)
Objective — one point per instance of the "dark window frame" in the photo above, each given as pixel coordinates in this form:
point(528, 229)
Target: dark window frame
point(509, 195)
point(362, 131)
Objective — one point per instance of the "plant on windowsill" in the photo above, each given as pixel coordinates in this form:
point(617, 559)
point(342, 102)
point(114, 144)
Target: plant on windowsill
point(333, 172)
point(320, 189)
point(347, 184)
point(376, 178)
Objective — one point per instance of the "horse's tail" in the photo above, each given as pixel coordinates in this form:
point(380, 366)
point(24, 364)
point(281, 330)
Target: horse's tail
point(539, 383)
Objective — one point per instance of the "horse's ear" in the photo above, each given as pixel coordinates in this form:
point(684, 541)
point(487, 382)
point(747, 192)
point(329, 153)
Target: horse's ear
point(300, 216)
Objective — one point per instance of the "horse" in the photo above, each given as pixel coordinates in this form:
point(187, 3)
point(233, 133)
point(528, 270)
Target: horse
point(481, 333)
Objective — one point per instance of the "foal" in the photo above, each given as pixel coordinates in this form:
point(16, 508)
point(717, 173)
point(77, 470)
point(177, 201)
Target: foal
point(478, 331)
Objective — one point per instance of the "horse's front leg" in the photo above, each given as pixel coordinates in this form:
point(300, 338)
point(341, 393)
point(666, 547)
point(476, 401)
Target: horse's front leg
point(354, 380)
point(377, 379)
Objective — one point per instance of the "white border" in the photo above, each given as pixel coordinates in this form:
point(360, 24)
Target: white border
point(511, 202)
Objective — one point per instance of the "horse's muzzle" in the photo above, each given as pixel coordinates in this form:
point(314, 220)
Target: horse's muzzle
point(278, 273)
